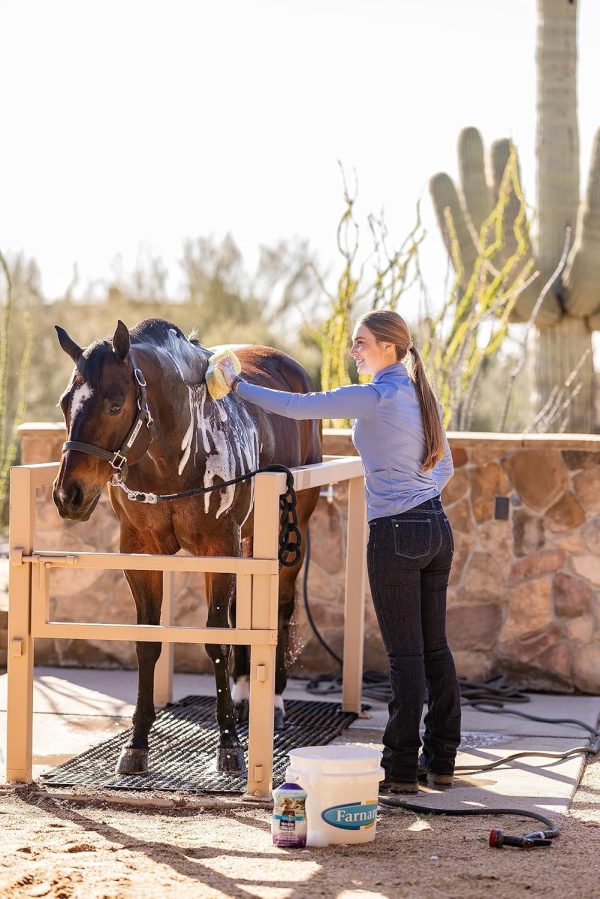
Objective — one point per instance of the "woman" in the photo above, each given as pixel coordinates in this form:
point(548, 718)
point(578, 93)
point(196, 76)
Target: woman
point(407, 461)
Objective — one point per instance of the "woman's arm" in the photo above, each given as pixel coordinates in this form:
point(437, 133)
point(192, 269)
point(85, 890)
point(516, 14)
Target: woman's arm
point(353, 401)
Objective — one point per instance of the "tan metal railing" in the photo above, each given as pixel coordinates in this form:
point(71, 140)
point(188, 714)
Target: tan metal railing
point(257, 583)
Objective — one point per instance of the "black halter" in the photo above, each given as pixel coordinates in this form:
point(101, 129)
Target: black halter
point(118, 459)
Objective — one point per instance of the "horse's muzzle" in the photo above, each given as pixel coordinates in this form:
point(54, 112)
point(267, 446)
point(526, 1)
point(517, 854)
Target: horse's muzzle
point(72, 503)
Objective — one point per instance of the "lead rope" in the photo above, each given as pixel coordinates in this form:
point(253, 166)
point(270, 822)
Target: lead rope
point(290, 550)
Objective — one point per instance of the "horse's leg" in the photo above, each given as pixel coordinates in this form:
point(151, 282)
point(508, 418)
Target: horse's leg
point(307, 500)
point(146, 587)
point(241, 683)
point(230, 754)
point(220, 591)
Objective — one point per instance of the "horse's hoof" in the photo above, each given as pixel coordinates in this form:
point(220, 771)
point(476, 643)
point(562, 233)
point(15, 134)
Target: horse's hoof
point(279, 719)
point(242, 711)
point(230, 759)
point(132, 761)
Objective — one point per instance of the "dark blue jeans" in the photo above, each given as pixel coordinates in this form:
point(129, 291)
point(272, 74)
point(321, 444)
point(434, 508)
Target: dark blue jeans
point(409, 558)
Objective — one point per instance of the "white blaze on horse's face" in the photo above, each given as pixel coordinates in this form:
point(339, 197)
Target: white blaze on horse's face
point(80, 396)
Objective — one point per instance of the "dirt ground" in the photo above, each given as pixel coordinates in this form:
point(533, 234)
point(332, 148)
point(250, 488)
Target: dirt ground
point(62, 849)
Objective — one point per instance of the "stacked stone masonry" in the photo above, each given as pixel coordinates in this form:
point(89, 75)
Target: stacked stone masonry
point(524, 594)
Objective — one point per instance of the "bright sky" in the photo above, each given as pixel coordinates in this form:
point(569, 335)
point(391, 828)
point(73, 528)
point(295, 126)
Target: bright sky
point(137, 123)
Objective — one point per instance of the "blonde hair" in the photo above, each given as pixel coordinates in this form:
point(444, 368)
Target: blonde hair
point(390, 327)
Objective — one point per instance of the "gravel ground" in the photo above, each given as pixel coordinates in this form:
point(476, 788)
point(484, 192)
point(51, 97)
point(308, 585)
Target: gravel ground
point(58, 848)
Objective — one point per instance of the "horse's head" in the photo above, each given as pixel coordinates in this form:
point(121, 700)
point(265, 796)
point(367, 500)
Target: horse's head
point(100, 406)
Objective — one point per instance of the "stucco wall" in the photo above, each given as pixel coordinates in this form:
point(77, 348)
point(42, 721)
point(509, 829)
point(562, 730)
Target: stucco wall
point(524, 595)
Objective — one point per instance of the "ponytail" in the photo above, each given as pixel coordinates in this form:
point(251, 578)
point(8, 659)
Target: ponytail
point(432, 425)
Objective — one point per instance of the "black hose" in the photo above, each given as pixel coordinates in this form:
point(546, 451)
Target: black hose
point(309, 614)
point(537, 839)
point(530, 753)
point(493, 691)
point(552, 828)
point(502, 711)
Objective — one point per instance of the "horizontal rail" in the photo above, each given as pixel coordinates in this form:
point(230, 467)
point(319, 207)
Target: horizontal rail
point(330, 471)
point(42, 474)
point(154, 633)
point(149, 562)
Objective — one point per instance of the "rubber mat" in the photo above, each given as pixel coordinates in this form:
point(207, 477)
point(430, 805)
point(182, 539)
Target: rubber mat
point(183, 744)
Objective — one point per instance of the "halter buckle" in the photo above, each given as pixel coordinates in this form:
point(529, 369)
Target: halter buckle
point(145, 413)
point(118, 461)
point(139, 377)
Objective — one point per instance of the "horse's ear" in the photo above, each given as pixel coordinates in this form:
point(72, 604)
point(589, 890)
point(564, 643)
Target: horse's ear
point(69, 346)
point(121, 341)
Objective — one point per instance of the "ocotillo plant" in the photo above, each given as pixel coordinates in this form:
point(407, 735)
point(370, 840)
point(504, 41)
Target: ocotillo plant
point(393, 272)
point(561, 338)
point(472, 324)
point(459, 340)
point(13, 382)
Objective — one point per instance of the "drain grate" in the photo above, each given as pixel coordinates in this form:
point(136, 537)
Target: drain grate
point(183, 744)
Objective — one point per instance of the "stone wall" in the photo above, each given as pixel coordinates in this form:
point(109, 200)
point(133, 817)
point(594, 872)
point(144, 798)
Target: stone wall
point(525, 595)
point(525, 589)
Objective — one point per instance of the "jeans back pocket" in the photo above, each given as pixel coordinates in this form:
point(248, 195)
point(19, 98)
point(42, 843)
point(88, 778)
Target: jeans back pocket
point(449, 532)
point(412, 537)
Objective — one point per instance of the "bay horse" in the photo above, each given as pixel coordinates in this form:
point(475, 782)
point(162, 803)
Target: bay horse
point(137, 403)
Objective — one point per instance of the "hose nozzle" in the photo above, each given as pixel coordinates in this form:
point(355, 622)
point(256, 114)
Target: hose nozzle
point(498, 839)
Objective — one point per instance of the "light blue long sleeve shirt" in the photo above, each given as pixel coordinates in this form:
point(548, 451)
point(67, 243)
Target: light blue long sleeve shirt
point(387, 432)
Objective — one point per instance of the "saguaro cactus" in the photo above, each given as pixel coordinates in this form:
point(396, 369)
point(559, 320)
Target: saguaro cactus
point(570, 309)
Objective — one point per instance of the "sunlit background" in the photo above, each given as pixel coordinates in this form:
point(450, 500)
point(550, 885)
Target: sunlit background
point(197, 153)
point(130, 126)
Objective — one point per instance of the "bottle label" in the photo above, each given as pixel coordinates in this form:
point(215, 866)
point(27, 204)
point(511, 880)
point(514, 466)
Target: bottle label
point(351, 815)
point(289, 821)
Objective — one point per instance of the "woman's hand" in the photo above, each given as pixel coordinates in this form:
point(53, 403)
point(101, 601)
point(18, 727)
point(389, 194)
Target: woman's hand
point(229, 372)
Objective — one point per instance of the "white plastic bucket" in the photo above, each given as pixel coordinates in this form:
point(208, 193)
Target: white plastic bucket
point(342, 783)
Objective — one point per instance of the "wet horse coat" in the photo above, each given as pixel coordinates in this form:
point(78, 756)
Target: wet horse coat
point(188, 440)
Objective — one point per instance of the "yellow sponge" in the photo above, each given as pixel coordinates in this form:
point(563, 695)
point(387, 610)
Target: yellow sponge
point(215, 380)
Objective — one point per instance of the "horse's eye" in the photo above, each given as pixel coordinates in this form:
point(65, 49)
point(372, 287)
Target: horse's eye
point(114, 409)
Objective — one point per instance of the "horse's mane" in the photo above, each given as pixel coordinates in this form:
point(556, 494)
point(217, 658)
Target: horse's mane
point(156, 332)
